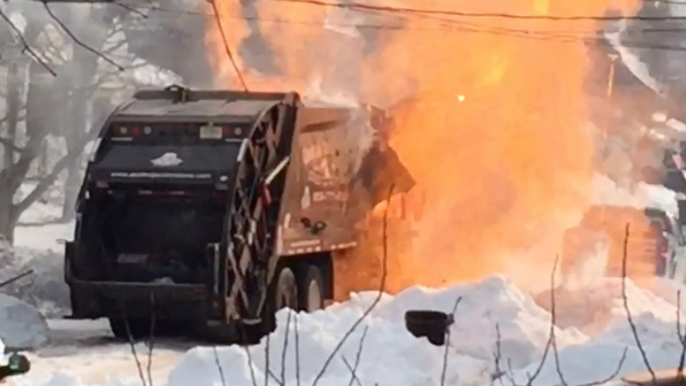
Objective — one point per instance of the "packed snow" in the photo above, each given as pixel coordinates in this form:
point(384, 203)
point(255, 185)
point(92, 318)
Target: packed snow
point(21, 325)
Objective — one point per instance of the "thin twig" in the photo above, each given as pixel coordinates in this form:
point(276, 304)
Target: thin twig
point(553, 322)
point(76, 39)
point(219, 365)
point(130, 9)
point(376, 300)
point(132, 343)
point(285, 348)
point(297, 350)
point(266, 359)
point(26, 47)
point(680, 335)
point(629, 317)
point(546, 350)
point(358, 355)
point(447, 342)
point(226, 45)
point(497, 358)
point(352, 370)
point(151, 344)
point(250, 364)
point(613, 375)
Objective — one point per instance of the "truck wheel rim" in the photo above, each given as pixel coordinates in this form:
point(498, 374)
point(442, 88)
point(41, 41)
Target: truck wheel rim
point(314, 297)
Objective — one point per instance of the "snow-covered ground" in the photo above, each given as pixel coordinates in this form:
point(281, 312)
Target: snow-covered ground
point(591, 334)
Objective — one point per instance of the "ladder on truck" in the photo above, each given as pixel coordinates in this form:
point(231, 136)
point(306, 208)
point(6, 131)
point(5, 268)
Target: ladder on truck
point(250, 261)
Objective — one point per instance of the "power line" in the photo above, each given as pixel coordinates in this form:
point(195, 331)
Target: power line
point(452, 25)
point(226, 45)
point(501, 15)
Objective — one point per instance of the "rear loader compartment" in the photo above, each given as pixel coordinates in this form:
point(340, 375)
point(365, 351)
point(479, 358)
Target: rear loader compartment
point(141, 235)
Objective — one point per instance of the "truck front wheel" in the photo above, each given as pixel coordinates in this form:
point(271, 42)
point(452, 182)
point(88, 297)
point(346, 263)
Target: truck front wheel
point(311, 289)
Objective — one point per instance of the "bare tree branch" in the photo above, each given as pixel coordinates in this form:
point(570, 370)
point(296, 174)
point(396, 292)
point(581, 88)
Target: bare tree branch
point(11, 146)
point(47, 181)
point(629, 317)
point(680, 335)
point(553, 322)
point(219, 365)
point(151, 343)
point(266, 359)
point(26, 47)
point(353, 372)
point(285, 347)
point(376, 301)
point(76, 39)
point(297, 351)
point(250, 364)
point(447, 342)
point(132, 344)
point(130, 9)
point(358, 355)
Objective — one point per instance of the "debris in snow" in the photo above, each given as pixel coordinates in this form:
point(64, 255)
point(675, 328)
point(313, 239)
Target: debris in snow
point(21, 325)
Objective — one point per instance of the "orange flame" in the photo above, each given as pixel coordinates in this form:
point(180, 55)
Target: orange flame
point(496, 131)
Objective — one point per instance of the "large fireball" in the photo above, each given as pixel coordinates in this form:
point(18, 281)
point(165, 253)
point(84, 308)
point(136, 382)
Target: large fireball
point(497, 129)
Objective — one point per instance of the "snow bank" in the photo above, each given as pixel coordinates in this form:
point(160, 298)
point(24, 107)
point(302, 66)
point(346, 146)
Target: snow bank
point(390, 355)
point(599, 304)
point(21, 325)
point(607, 192)
point(600, 358)
point(388, 346)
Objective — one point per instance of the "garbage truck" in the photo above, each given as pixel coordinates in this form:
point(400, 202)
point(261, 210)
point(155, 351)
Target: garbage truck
point(210, 210)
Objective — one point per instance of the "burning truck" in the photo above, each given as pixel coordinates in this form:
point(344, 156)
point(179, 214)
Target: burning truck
point(211, 210)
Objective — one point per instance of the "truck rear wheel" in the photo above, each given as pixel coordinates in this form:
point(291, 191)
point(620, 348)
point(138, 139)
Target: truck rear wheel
point(311, 289)
point(286, 290)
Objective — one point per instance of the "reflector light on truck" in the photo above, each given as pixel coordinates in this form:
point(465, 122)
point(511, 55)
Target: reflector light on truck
point(202, 131)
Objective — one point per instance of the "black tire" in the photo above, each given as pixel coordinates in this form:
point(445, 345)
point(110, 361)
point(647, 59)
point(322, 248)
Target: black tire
point(286, 290)
point(311, 289)
point(135, 330)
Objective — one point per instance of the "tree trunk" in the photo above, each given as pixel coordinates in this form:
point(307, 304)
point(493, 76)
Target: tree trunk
point(7, 217)
point(13, 106)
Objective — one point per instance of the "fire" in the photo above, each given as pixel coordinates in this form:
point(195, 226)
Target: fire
point(496, 130)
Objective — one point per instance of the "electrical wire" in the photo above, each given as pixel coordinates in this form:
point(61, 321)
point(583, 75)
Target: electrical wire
point(458, 26)
point(226, 45)
point(500, 15)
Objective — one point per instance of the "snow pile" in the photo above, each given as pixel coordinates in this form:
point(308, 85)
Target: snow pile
point(599, 304)
point(388, 347)
point(21, 325)
point(390, 355)
point(607, 192)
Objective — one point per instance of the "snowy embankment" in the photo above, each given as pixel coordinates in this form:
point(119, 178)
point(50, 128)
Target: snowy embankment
point(391, 356)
